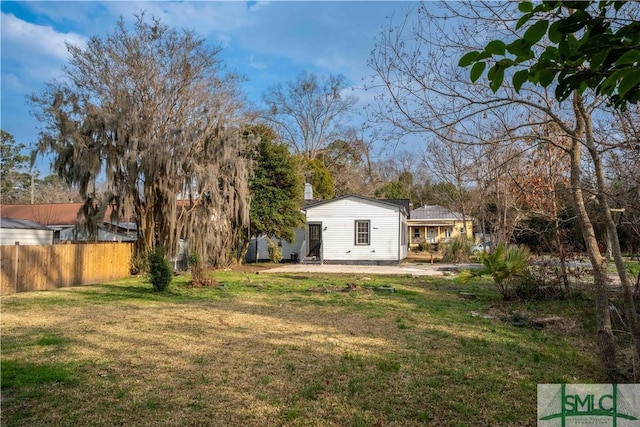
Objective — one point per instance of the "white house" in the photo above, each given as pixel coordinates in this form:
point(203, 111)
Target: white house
point(355, 230)
point(24, 232)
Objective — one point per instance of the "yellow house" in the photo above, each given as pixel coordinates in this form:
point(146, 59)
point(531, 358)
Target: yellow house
point(435, 224)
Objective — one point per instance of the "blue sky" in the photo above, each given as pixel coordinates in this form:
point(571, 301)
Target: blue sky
point(267, 42)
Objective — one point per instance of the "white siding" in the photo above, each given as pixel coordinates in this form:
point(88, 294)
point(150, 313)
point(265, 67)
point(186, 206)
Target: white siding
point(9, 236)
point(338, 230)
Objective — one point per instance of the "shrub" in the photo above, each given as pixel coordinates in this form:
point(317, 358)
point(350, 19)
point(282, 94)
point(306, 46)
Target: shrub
point(531, 287)
point(423, 246)
point(457, 250)
point(534, 285)
point(275, 254)
point(160, 272)
point(507, 267)
point(195, 265)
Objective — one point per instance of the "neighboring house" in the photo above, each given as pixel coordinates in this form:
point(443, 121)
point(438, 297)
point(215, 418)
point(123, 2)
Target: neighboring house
point(356, 230)
point(24, 232)
point(435, 224)
point(66, 224)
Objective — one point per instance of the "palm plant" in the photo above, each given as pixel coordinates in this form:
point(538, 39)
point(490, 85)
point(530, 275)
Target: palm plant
point(505, 265)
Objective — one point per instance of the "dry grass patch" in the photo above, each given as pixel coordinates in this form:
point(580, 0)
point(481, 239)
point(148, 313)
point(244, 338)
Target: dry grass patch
point(259, 351)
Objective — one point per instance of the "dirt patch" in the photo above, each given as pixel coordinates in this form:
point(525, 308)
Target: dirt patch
point(349, 287)
point(204, 282)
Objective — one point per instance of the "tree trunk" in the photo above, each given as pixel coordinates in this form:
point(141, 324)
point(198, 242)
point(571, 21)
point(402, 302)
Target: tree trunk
point(557, 235)
point(606, 342)
point(613, 243)
point(561, 251)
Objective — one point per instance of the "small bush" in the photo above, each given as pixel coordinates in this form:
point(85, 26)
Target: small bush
point(507, 267)
point(160, 272)
point(534, 286)
point(195, 265)
point(457, 250)
point(423, 247)
point(275, 253)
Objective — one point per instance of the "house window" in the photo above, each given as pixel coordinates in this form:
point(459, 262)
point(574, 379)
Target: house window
point(363, 233)
point(416, 232)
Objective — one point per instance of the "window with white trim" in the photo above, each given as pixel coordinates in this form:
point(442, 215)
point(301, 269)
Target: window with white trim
point(363, 232)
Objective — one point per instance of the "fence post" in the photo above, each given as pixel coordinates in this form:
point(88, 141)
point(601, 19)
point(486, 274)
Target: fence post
point(15, 268)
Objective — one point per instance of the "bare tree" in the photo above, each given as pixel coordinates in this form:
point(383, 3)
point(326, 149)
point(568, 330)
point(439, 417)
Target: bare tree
point(623, 164)
point(416, 61)
point(150, 111)
point(308, 113)
point(453, 163)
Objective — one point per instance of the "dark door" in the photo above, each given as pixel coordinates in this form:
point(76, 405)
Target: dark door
point(315, 239)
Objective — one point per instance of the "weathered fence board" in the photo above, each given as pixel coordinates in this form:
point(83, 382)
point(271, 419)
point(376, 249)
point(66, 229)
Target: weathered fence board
point(31, 268)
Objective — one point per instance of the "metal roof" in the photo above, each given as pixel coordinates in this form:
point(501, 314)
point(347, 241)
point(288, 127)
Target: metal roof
point(23, 224)
point(435, 212)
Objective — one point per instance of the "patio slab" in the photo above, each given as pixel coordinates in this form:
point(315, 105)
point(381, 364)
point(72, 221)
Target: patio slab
point(404, 269)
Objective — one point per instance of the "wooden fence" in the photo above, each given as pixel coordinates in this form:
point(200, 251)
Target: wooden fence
point(32, 268)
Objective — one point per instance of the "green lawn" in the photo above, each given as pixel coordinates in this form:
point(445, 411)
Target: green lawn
point(298, 350)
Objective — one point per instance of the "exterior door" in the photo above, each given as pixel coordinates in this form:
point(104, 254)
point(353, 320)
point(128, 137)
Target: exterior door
point(315, 240)
point(432, 235)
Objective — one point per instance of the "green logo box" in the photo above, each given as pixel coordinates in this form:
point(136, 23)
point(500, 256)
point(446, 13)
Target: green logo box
point(601, 405)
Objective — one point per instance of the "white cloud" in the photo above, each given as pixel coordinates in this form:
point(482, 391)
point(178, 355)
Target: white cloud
point(204, 17)
point(20, 37)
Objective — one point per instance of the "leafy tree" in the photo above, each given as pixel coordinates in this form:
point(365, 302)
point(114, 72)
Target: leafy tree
point(594, 44)
point(393, 190)
point(276, 188)
point(20, 186)
point(11, 157)
point(12, 168)
point(348, 162)
point(150, 110)
point(308, 113)
point(317, 174)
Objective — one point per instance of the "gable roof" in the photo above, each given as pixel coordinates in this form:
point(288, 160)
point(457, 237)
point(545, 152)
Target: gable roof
point(436, 212)
point(48, 213)
point(402, 204)
point(67, 214)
